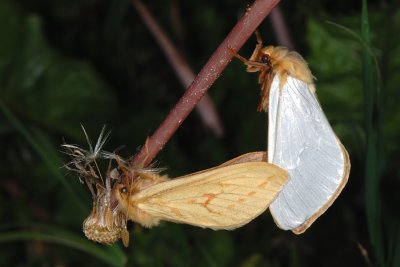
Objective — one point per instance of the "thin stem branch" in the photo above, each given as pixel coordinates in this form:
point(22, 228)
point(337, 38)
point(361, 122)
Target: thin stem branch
point(280, 28)
point(205, 107)
point(254, 15)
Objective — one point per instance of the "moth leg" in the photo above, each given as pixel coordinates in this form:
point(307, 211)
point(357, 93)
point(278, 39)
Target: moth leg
point(235, 54)
point(125, 237)
point(259, 38)
point(265, 88)
point(254, 63)
point(252, 66)
point(257, 51)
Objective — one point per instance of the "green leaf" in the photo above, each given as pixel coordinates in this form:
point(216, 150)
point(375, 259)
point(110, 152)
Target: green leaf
point(44, 86)
point(45, 152)
point(373, 157)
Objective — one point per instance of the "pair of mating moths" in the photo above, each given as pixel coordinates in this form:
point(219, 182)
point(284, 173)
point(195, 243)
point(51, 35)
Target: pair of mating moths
point(307, 168)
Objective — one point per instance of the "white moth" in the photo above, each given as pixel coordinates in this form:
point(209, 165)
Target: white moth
point(300, 138)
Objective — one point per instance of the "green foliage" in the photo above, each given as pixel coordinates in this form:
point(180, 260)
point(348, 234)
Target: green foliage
point(384, 230)
point(110, 255)
point(383, 223)
point(63, 63)
point(43, 86)
point(373, 130)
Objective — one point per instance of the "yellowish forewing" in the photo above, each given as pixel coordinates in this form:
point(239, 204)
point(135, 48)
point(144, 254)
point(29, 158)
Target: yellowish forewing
point(218, 198)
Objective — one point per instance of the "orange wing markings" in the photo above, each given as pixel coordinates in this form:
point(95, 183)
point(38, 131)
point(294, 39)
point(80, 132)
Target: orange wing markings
point(252, 193)
point(213, 211)
point(264, 185)
point(211, 198)
point(208, 197)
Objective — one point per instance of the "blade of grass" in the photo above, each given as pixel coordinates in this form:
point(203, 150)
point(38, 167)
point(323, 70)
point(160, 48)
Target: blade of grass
point(44, 155)
point(111, 255)
point(364, 44)
point(383, 226)
point(373, 159)
point(393, 240)
point(395, 259)
point(210, 261)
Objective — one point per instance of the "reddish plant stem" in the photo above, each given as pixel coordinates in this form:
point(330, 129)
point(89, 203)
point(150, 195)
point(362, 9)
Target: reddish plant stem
point(205, 107)
point(280, 28)
point(254, 15)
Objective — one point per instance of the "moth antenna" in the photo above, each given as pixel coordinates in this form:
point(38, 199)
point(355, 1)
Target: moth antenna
point(122, 167)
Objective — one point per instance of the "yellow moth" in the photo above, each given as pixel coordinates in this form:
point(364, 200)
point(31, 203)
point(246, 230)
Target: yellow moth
point(300, 138)
point(225, 197)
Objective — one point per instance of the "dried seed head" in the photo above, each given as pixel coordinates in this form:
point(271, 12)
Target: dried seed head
point(104, 224)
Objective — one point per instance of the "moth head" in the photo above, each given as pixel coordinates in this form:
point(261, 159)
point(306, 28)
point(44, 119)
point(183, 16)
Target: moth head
point(260, 60)
point(266, 59)
point(121, 193)
point(271, 55)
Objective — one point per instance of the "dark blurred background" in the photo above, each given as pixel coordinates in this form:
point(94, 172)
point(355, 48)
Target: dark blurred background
point(93, 62)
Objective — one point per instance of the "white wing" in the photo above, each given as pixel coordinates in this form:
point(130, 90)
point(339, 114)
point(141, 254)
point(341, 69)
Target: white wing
point(301, 141)
point(219, 198)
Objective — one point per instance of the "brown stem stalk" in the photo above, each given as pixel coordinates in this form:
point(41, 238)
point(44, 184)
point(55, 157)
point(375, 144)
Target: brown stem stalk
point(207, 111)
point(280, 28)
point(254, 15)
